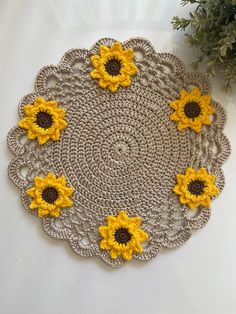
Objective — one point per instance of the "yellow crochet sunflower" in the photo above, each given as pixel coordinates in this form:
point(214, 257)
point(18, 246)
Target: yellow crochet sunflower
point(113, 67)
point(49, 195)
point(192, 110)
point(122, 236)
point(43, 120)
point(196, 187)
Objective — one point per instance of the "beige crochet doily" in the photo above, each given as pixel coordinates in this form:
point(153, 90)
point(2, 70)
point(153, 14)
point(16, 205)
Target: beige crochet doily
point(120, 151)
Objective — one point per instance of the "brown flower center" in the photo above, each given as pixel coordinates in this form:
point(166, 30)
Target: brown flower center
point(122, 235)
point(44, 120)
point(50, 194)
point(113, 67)
point(196, 187)
point(192, 109)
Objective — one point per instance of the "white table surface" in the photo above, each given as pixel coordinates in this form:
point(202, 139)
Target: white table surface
point(41, 275)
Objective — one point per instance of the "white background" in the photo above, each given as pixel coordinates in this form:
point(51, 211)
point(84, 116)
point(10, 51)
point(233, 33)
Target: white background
point(40, 275)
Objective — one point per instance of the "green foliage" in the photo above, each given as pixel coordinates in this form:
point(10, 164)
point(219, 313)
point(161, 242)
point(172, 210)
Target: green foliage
point(213, 25)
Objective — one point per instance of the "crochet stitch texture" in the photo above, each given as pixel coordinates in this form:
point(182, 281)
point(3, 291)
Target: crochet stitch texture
point(120, 150)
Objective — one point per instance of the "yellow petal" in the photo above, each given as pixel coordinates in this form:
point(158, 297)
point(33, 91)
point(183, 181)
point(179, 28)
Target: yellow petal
point(67, 191)
point(61, 180)
point(52, 104)
point(122, 216)
point(126, 82)
point(174, 104)
point(51, 176)
point(141, 235)
point(103, 230)
point(214, 190)
point(31, 192)
point(128, 54)
point(113, 87)
point(102, 83)
point(39, 182)
point(206, 121)
point(207, 202)
point(196, 92)
point(116, 47)
point(42, 139)
point(177, 189)
point(190, 171)
point(130, 69)
point(104, 51)
point(183, 200)
point(33, 205)
point(59, 111)
point(181, 126)
point(104, 245)
point(64, 202)
point(206, 99)
point(39, 101)
point(135, 222)
point(29, 110)
point(31, 134)
point(137, 247)
point(174, 116)
point(192, 205)
point(111, 220)
point(95, 74)
point(62, 124)
point(202, 171)
point(55, 213)
point(127, 254)
point(96, 60)
point(211, 109)
point(197, 128)
point(55, 136)
point(24, 123)
point(114, 253)
point(42, 212)
point(183, 94)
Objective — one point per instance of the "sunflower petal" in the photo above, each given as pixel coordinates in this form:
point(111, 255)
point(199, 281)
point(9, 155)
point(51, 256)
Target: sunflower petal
point(42, 139)
point(55, 213)
point(141, 235)
point(42, 212)
point(24, 123)
point(103, 230)
point(104, 51)
point(127, 254)
point(102, 83)
point(113, 87)
point(116, 47)
point(114, 253)
point(96, 61)
point(126, 82)
point(122, 217)
point(33, 205)
point(31, 192)
point(128, 54)
point(95, 74)
point(39, 182)
point(196, 92)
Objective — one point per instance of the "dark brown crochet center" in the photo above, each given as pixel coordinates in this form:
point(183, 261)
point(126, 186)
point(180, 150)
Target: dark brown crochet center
point(122, 236)
point(192, 110)
point(50, 195)
point(44, 120)
point(113, 67)
point(196, 187)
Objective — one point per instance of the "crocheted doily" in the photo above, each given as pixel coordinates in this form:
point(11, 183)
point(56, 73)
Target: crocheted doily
point(124, 172)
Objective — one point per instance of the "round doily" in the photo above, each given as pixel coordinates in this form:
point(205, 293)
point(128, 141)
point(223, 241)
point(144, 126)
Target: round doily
point(119, 150)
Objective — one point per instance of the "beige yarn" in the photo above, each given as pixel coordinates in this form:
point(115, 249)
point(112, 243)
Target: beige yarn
point(120, 150)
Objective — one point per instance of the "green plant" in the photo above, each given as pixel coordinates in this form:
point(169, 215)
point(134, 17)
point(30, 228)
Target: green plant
point(213, 25)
